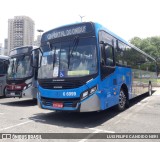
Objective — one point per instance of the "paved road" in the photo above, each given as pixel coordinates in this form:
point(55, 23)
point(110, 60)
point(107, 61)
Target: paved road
point(24, 116)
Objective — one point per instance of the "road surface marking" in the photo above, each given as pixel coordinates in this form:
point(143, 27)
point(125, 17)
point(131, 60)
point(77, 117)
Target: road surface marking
point(90, 135)
point(95, 132)
point(95, 129)
point(41, 120)
point(16, 125)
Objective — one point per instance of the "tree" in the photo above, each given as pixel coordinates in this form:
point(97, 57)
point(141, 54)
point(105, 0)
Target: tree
point(150, 45)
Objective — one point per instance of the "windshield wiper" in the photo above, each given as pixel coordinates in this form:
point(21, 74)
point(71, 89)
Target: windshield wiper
point(74, 47)
point(21, 58)
point(12, 69)
point(54, 59)
point(49, 45)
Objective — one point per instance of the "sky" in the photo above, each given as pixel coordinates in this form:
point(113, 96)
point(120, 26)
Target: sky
point(126, 18)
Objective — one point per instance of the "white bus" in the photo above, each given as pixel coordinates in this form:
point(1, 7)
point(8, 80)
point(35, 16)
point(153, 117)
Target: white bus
point(21, 76)
point(3, 72)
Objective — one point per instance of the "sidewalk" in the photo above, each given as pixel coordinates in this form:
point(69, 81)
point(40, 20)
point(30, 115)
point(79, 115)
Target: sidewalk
point(157, 91)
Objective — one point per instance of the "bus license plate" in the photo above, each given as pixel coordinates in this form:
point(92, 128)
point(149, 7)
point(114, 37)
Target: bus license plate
point(12, 94)
point(57, 104)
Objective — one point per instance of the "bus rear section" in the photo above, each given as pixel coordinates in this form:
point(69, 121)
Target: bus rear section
point(3, 72)
point(21, 76)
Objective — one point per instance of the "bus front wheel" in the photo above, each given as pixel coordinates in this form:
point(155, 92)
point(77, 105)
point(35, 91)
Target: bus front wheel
point(122, 101)
point(5, 92)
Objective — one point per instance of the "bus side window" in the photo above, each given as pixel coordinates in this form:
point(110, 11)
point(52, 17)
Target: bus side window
point(109, 55)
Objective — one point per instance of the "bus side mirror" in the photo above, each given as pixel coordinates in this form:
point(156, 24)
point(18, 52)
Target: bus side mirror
point(103, 43)
point(36, 55)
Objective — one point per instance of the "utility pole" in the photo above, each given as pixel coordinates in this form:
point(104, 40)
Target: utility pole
point(40, 35)
point(81, 17)
point(40, 31)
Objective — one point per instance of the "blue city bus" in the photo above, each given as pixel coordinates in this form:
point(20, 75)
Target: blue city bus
point(21, 76)
point(85, 67)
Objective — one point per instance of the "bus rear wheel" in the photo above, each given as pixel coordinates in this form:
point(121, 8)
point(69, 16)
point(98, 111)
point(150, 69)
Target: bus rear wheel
point(122, 101)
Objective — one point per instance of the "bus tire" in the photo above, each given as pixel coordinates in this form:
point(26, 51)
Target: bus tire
point(150, 89)
point(4, 92)
point(127, 103)
point(123, 101)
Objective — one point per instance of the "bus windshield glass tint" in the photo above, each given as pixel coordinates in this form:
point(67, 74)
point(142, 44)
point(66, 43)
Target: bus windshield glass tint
point(73, 58)
point(19, 67)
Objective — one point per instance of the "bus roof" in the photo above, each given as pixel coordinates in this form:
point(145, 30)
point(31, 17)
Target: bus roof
point(34, 47)
point(4, 57)
point(21, 50)
point(100, 27)
point(97, 28)
point(68, 30)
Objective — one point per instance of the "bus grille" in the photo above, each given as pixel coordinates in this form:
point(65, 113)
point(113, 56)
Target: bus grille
point(61, 85)
point(66, 102)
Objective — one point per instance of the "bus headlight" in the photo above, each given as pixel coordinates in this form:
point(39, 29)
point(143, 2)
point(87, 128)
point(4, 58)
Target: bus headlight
point(25, 88)
point(88, 92)
point(29, 85)
point(85, 94)
point(92, 90)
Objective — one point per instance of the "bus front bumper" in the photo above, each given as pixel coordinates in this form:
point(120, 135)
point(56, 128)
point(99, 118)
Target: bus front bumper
point(30, 92)
point(91, 103)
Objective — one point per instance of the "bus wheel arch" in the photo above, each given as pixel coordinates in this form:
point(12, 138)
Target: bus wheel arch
point(123, 98)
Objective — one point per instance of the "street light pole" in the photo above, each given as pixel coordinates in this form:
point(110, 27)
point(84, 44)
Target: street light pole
point(40, 31)
point(40, 35)
point(81, 17)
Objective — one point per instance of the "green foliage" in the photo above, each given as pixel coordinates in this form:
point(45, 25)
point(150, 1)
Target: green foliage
point(150, 45)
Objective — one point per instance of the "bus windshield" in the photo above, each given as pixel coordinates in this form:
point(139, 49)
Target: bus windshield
point(74, 58)
point(19, 67)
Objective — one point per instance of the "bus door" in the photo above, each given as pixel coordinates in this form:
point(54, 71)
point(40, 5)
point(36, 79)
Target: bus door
point(107, 68)
point(1, 66)
point(2, 76)
point(34, 64)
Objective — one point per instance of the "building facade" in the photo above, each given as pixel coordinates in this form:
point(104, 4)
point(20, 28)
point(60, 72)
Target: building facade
point(37, 42)
point(20, 32)
point(1, 49)
point(6, 46)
